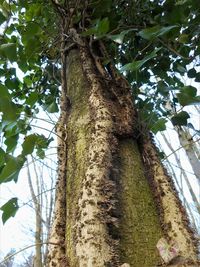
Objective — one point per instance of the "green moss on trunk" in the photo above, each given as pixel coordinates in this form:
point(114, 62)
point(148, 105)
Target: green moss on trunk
point(139, 228)
point(78, 130)
point(139, 224)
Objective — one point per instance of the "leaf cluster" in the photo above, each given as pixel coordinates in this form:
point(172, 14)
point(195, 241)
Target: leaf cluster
point(155, 44)
point(29, 81)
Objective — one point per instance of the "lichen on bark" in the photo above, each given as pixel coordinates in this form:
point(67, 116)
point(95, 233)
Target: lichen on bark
point(111, 216)
point(139, 224)
point(99, 166)
point(78, 131)
point(173, 217)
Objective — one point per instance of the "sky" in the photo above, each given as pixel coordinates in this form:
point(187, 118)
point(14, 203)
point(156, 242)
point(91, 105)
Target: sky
point(17, 233)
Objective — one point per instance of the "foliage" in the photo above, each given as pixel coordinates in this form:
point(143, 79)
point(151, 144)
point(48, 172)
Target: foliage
point(154, 43)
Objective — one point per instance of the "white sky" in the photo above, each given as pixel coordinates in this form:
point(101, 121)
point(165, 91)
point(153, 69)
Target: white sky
point(16, 233)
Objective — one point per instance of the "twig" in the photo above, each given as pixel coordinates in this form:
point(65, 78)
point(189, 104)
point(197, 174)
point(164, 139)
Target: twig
point(140, 52)
point(30, 246)
point(43, 192)
point(194, 141)
point(173, 50)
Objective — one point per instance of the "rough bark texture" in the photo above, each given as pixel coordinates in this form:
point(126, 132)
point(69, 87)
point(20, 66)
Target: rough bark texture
point(173, 218)
point(139, 224)
point(57, 252)
point(111, 218)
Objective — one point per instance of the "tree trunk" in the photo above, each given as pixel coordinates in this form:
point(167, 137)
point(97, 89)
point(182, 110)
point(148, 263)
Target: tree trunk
point(106, 213)
point(38, 219)
point(187, 142)
point(192, 193)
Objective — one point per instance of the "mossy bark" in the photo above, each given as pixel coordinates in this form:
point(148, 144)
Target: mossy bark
point(78, 131)
point(137, 229)
point(173, 217)
point(139, 224)
point(112, 218)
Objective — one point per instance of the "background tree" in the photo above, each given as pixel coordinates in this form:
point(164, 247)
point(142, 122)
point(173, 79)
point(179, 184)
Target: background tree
point(10, 261)
point(43, 200)
point(104, 148)
point(28, 262)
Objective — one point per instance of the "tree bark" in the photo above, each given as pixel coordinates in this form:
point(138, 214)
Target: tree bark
point(189, 145)
point(38, 219)
point(171, 212)
point(192, 193)
point(109, 215)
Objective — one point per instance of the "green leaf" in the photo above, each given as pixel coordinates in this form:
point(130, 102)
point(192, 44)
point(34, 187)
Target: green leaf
point(40, 153)
point(9, 51)
point(180, 118)
point(52, 108)
point(103, 26)
point(162, 88)
point(191, 73)
point(181, 68)
point(180, 2)
point(32, 99)
point(11, 129)
point(101, 7)
point(119, 38)
point(135, 65)
point(29, 144)
point(89, 32)
point(12, 83)
point(4, 91)
point(9, 209)
point(10, 110)
point(156, 31)
point(11, 143)
point(197, 78)
point(32, 29)
point(34, 10)
point(42, 143)
point(2, 156)
point(158, 126)
point(190, 91)
point(187, 96)
point(183, 38)
point(28, 81)
point(2, 18)
point(11, 170)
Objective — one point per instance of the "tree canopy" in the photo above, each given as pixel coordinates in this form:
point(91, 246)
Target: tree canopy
point(154, 44)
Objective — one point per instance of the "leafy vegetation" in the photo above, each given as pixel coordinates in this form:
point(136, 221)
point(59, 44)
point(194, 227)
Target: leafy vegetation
point(155, 44)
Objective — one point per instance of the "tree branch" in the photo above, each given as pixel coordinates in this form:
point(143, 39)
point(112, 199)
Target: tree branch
point(27, 247)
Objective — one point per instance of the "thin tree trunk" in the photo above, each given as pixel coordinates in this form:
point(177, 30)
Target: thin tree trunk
point(49, 201)
point(38, 223)
point(187, 142)
point(179, 186)
point(194, 198)
point(185, 201)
